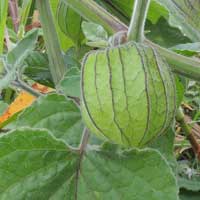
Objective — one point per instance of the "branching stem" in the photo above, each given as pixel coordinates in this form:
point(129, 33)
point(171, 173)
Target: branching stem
point(182, 65)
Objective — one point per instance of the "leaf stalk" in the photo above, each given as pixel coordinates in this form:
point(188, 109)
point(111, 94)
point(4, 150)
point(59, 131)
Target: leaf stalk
point(137, 24)
point(56, 59)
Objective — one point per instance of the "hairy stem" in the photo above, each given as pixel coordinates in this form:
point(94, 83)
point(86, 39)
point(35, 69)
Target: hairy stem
point(188, 132)
point(57, 64)
point(25, 87)
point(137, 24)
point(91, 11)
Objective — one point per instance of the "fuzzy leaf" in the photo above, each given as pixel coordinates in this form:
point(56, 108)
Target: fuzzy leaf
point(55, 113)
point(70, 85)
point(3, 107)
point(129, 175)
point(165, 144)
point(27, 43)
point(34, 165)
point(94, 32)
point(185, 15)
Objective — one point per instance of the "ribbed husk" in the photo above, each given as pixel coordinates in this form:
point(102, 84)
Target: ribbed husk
point(128, 94)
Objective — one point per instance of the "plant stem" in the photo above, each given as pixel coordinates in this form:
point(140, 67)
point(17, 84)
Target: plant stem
point(137, 24)
point(84, 141)
point(188, 133)
point(91, 11)
point(188, 67)
point(57, 64)
point(182, 65)
point(26, 87)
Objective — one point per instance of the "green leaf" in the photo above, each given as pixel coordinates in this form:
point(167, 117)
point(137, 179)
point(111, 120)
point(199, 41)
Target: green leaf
point(55, 113)
point(128, 175)
point(26, 44)
point(163, 34)
point(70, 85)
point(34, 165)
point(185, 15)
point(3, 17)
point(3, 107)
point(165, 145)
point(94, 32)
point(192, 184)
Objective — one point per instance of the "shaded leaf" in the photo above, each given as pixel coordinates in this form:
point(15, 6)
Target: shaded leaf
point(190, 184)
point(65, 41)
point(38, 68)
point(188, 195)
point(163, 34)
point(69, 22)
point(185, 15)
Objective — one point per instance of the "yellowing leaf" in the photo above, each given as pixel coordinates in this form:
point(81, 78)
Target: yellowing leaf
point(22, 101)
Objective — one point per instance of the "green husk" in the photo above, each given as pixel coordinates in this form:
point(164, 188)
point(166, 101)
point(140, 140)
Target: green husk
point(128, 94)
